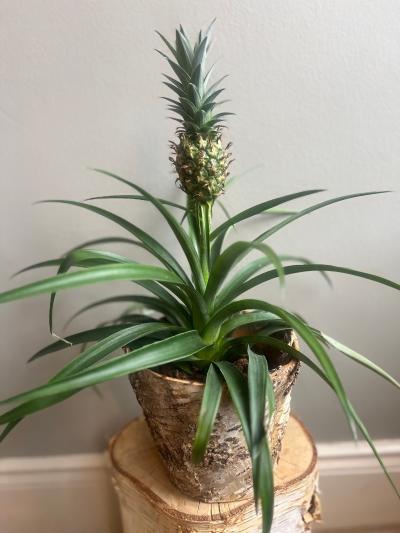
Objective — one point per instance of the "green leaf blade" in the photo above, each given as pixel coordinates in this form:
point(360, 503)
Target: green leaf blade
point(213, 327)
point(244, 319)
point(254, 266)
point(105, 347)
point(179, 232)
point(132, 272)
point(248, 213)
point(257, 384)
point(93, 355)
point(358, 358)
point(309, 210)
point(228, 259)
point(135, 197)
point(359, 423)
point(149, 243)
point(239, 391)
point(266, 485)
point(257, 372)
point(295, 269)
point(90, 335)
point(151, 303)
point(162, 352)
point(209, 408)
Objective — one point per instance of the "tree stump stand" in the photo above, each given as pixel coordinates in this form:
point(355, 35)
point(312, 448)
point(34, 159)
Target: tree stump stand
point(151, 504)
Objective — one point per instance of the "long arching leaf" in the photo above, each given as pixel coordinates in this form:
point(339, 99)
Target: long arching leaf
point(304, 359)
point(169, 306)
point(248, 213)
point(216, 248)
point(106, 240)
point(84, 360)
point(295, 269)
point(266, 484)
point(10, 426)
point(199, 309)
point(274, 229)
point(257, 383)
point(50, 263)
point(263, 476)
point(147, 301)
point(208, 412)
point(134, 197)
point(75, 258)
point(151, 286)
point(211, 332)
point(90, 276)
point(151, 244)
point(358, 358)
point(244, 319)
point(99, 351)
point(261, 338)
point(234, 346)
point(178, 230)
point(239, 391)
point(309, 210)
point(228, 259)
point(260, 455)
point(90, 335)
point(17, 414)
point(162, 352)
point(280, 211)
point(249, 270)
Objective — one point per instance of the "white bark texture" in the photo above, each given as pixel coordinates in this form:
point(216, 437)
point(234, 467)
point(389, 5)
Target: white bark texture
point(172, 406)
point(150, 503)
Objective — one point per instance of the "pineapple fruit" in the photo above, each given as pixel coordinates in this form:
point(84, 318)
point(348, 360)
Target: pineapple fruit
point(199, 157)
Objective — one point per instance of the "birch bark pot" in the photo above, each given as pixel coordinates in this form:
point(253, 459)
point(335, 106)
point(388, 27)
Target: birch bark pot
point(171, 407)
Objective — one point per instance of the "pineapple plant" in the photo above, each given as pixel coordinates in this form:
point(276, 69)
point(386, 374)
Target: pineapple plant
point(196, 314)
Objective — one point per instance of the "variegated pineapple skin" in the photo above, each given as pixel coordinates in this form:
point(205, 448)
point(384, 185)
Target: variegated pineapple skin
point(202, 166)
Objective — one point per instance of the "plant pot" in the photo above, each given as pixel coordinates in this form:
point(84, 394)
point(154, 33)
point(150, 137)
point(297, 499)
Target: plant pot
point(172, 406)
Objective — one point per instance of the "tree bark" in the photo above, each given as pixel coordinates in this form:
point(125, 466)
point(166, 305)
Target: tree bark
point(172, 406)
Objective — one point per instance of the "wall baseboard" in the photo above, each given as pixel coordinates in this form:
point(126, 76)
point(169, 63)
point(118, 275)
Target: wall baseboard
point(57, 494)
point(355, 493)
point(73, 493)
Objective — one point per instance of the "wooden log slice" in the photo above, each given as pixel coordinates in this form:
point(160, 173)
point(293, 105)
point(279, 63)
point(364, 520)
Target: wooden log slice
point(150, 503)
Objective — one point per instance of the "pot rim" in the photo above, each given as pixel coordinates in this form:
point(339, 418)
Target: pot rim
point(293, 361)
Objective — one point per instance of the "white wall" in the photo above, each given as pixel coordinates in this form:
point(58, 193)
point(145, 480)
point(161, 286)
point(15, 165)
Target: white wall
point(315, 86)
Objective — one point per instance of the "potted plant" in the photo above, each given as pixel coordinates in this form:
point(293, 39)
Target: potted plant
point(214, 358)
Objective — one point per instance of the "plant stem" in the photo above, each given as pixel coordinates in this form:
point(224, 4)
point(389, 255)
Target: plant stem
point(203, 215)
point(192, 223)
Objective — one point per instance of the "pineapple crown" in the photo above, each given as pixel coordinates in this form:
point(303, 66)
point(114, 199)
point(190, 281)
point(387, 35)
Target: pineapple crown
point(195, 104)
